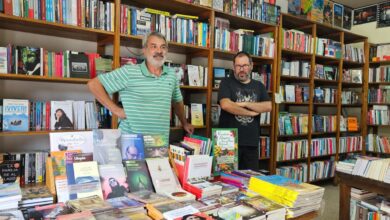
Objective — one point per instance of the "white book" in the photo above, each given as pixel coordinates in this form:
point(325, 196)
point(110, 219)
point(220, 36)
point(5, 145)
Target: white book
point(290, 93)
point(61, 115)
point(193, 75)
point(3, 60)
point(61, 141)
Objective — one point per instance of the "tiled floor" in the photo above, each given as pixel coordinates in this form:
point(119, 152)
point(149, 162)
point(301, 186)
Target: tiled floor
point(330, 204)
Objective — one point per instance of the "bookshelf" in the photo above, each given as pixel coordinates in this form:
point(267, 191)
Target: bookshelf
point(377, 86)
point(311, 107)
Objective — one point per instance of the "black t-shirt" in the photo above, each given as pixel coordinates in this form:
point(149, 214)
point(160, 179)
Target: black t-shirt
point(248, 127)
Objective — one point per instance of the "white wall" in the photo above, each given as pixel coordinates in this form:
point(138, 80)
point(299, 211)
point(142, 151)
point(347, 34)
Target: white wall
point(375, 35)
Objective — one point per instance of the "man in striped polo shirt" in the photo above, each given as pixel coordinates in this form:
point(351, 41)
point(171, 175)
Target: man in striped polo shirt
point(146, 91)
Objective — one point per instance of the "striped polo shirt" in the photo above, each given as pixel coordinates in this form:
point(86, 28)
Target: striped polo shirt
point(146, 98)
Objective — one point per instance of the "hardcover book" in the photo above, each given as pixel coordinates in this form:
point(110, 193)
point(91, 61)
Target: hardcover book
point(113, 181)
point(15, 115)
point(328, 12)
point(347, 18)
point(138, 177)
point(10, 171)
point(338, 11)
point(132, 147)
point(61, 116)
point(225, 150)
point(155, 146)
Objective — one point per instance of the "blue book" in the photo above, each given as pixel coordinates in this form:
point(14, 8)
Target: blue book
point(132, 146)
point(15, 115)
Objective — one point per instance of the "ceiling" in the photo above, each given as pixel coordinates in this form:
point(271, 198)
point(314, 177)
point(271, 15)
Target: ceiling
point(359, 3)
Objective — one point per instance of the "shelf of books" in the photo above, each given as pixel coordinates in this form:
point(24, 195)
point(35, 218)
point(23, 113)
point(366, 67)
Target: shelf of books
point(309, 86)
point(378, 102)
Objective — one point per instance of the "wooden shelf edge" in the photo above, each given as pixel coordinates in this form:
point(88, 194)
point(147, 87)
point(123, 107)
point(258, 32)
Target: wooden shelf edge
point(9, 76)
point(34, 133)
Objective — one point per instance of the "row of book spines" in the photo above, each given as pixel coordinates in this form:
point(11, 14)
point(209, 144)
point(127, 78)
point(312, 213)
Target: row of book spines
point(324, 123)
point(322, 170)
point(290, 124)
point(264, 147)
point(182, 29)
point(296, 172)
point(82, 13)
point(32, 166)
point(362, 211)
point(380, 95)
point(263, 77)
point(297, 41)
point(323, 146)
point(351, 97)
point(237, 41)
point(379, 74)
point(378, 117)
point(296, 68)
point(328, 47)
point(292, 150)
point(350, 144)
point(295, 93)
point(352, 53)
point(376, 143)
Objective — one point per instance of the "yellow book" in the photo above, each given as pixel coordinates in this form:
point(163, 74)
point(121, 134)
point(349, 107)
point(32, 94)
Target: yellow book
point(155, 11)
point(50, 176)
point(200, 34)
point(128, 21)
point(185, 16)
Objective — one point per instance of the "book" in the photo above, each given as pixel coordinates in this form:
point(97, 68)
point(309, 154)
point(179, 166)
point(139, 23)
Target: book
point(61, 117)
point(85, 215)
point(132, 146)
point(225, 150)
point(84, 180)
point(197, 114)
point(155, 146)
point(29, 60)
point(138, 177)
point(10, 171)
point(3, 60)
point(338, 11)
point(347, 18)
point(113, 181)
point(68, 141)
point(148, 197)
point(15, 115)
point(294, 7)
point(79, 65)
point(46, 212)
point(91, 203)
point(35, 194)
point(328, 12)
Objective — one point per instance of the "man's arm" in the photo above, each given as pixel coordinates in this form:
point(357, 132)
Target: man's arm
point(101, 95)
point(235, 109)
point(258, 107)
point(178, 108)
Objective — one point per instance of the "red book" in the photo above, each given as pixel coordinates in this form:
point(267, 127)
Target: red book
point(8, 7)
point(43, 10)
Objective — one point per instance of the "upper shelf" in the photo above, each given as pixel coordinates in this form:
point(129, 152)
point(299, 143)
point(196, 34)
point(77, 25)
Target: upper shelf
point(173, 6)
point(383, 62)
point(136, 41)
point(228, 55)
point(50, 28)
point(238, 22)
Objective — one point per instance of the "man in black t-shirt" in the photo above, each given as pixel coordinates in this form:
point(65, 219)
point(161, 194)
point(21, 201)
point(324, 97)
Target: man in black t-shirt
point(242, 100)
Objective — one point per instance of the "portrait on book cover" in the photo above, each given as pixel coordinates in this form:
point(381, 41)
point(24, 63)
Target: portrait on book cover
point(132, 146)
point(113, 179)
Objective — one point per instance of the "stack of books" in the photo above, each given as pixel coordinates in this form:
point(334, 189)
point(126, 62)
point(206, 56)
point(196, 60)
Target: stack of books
point(345, 166)
point(10, 195)
point(36, 195)
point(300, 198)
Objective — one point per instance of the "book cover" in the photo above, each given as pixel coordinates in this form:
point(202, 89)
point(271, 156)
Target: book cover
point(338, 11)
point(225, 150)
point(197, 114)
point(70, 141)
point(328, 12)
point(84, 181)
point(10, 171)
point(317, 12)
point(306, 8)
point(124, 202)
point(132, 146)
point(29, 60)
point(163, 178)
point(113, 180)
point(155, 146)
point(138, 177)
point(36, 193)
point(61, 116)
point(347, 18)
point(91, 203)
point(46, 212)
point(294, 7)
point(15, 115)
point(79, 65)
point(85, 215)
point(147, 197)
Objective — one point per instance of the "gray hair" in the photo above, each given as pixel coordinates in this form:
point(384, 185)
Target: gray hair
point(154, 33)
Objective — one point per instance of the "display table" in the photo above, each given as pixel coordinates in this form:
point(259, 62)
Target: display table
point(308, 216)
point(347, 181)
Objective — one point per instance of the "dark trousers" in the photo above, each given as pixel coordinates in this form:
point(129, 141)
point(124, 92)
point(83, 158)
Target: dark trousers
point(248, 157)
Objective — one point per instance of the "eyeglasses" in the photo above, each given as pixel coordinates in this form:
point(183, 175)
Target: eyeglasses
point(245, 66)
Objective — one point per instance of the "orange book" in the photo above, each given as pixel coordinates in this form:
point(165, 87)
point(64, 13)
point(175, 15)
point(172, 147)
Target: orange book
point(352, 124)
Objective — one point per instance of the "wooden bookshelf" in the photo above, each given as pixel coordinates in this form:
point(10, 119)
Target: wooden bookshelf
point(315, 29)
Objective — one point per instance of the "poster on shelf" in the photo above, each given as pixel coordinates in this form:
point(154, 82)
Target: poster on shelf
point(383, 19)
point(364, 15)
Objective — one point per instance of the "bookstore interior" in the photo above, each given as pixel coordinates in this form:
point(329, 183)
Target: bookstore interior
point(195, 109)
